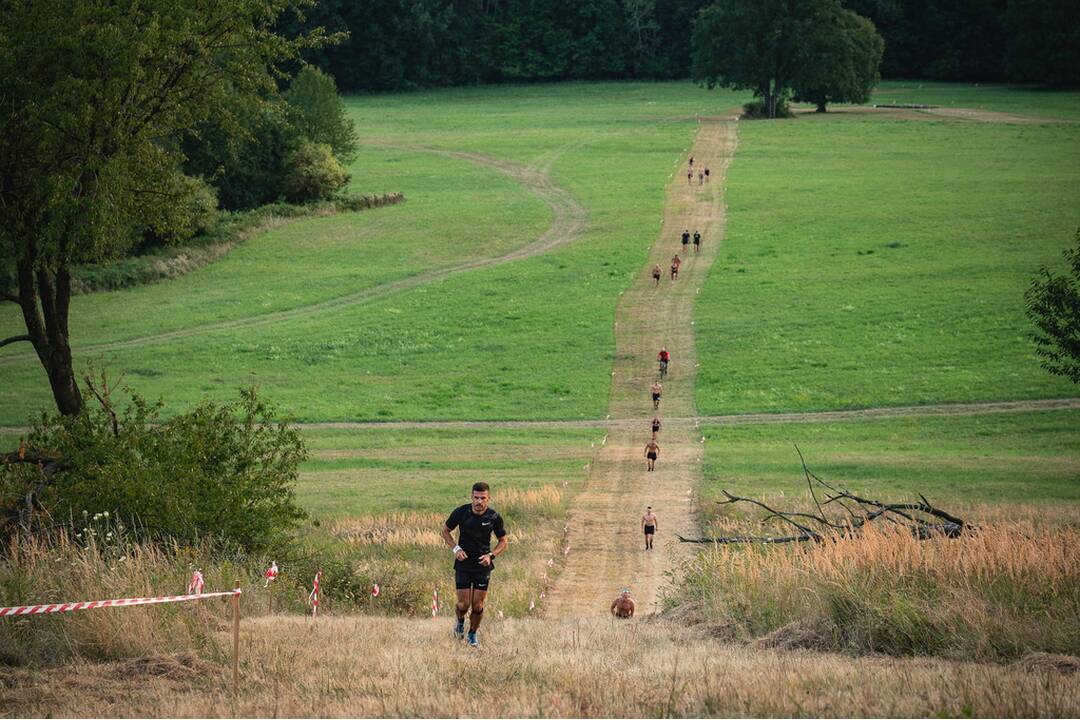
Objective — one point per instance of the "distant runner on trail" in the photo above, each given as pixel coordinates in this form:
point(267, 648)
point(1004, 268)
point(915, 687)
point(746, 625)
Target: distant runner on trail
point(473, 557)
point(701, 177)
point(706, 173)
point(690, 176)
point(652, 450)
point(697, 242)
point(656, 273)
point(675, 263)
point(685, 239)
point(624, 606)
point(648, 525)
point(657, 391)
point(655, 425)
point(691, 162)
point(664, 357)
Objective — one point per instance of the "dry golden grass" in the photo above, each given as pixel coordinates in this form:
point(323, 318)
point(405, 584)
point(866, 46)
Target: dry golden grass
point(531, 668)
point(994, 594)
point(401, 528)
point(95, 567)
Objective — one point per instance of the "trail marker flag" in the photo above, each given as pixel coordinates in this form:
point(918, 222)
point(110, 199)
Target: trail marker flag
point(195, 587)
point(313, 597)
point(434, 602)
point(375, 590)
point(271, 573)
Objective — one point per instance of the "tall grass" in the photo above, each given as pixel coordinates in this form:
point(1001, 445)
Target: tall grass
point(102, 565)
point(995, 594)
point(396, 667)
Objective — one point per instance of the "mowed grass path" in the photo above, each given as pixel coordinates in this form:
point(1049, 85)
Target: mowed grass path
point(529, 340)
point(871, 261)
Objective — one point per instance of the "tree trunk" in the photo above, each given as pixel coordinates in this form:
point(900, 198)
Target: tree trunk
point(47, 327)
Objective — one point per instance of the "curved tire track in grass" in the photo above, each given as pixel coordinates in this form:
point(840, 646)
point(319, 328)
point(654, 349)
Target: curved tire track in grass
point(569, 221)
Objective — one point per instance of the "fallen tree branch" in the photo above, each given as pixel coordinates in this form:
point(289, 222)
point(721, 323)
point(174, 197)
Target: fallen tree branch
point(860, 512)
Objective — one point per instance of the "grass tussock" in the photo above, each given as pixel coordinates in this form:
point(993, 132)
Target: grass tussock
point(545, 501)
point(997, 594)
point(399, 528)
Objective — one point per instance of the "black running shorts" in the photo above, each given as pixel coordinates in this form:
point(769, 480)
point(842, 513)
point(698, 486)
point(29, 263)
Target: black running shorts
point(466, 578)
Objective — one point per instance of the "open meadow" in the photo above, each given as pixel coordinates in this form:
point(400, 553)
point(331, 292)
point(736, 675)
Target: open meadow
point(860, 259)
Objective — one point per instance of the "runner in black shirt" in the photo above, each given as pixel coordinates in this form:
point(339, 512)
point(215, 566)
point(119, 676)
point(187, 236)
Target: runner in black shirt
point(473, 557)
point(685, 240)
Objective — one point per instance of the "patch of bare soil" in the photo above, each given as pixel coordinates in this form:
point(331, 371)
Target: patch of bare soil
point(991, 116)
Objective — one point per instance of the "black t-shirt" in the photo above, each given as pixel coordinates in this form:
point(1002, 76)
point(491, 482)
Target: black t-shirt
point(474, 535)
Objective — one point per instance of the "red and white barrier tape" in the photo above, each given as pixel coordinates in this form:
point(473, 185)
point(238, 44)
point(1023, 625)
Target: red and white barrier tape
point(18, 610)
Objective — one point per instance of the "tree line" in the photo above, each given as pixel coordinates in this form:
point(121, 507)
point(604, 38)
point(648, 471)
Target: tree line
point(405, 44)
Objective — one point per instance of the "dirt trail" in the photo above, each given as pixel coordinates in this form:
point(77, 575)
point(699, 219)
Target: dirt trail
point(569, 221)
point(606, 545)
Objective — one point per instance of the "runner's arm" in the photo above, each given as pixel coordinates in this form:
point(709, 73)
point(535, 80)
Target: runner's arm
point(448, 538)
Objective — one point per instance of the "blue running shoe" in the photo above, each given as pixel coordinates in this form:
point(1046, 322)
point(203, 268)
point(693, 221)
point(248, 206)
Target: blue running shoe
point(459, 629)
point(472, 640)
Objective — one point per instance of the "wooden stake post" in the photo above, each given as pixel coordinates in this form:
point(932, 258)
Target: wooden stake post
point(236, 642)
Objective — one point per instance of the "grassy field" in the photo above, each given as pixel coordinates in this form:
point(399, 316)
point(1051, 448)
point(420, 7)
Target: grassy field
point(530, 340)
point(381, 497)
point(1036, 102)
point(958, 462)
point(873, 261)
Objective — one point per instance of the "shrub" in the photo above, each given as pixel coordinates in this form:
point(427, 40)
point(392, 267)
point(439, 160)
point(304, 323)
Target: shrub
point(313, 173)
point(220, 472)
point(756, 110)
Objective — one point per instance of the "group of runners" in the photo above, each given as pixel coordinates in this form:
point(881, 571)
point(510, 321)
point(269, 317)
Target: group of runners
point(677, 260)
point(476, 521)
point(702, 175)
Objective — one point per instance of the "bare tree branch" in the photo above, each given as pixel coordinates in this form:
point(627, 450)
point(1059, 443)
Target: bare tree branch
point(15, 339)
point(861, 511)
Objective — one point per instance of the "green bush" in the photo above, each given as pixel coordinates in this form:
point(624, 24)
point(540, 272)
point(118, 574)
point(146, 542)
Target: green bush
point(217, 472)
point(313, 173)
point(318, 112)
point(756, 110)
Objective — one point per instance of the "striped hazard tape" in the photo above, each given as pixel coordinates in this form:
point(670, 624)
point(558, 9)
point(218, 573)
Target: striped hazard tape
point(19, 610)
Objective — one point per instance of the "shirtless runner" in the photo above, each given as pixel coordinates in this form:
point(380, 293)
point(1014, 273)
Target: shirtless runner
point(675, 263)
point(655, 425)
point(657, 391)
point(624, 606)
point(648, 525)
point(656, 273)
point(652, 450)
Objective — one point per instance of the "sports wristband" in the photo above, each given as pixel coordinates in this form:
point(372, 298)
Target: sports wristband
point(456, 550)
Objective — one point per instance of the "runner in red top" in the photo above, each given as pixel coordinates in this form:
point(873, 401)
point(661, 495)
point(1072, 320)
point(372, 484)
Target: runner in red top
point(664, 357)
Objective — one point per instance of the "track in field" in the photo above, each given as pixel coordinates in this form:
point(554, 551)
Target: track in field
point(606, 545)
point(569, 221)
